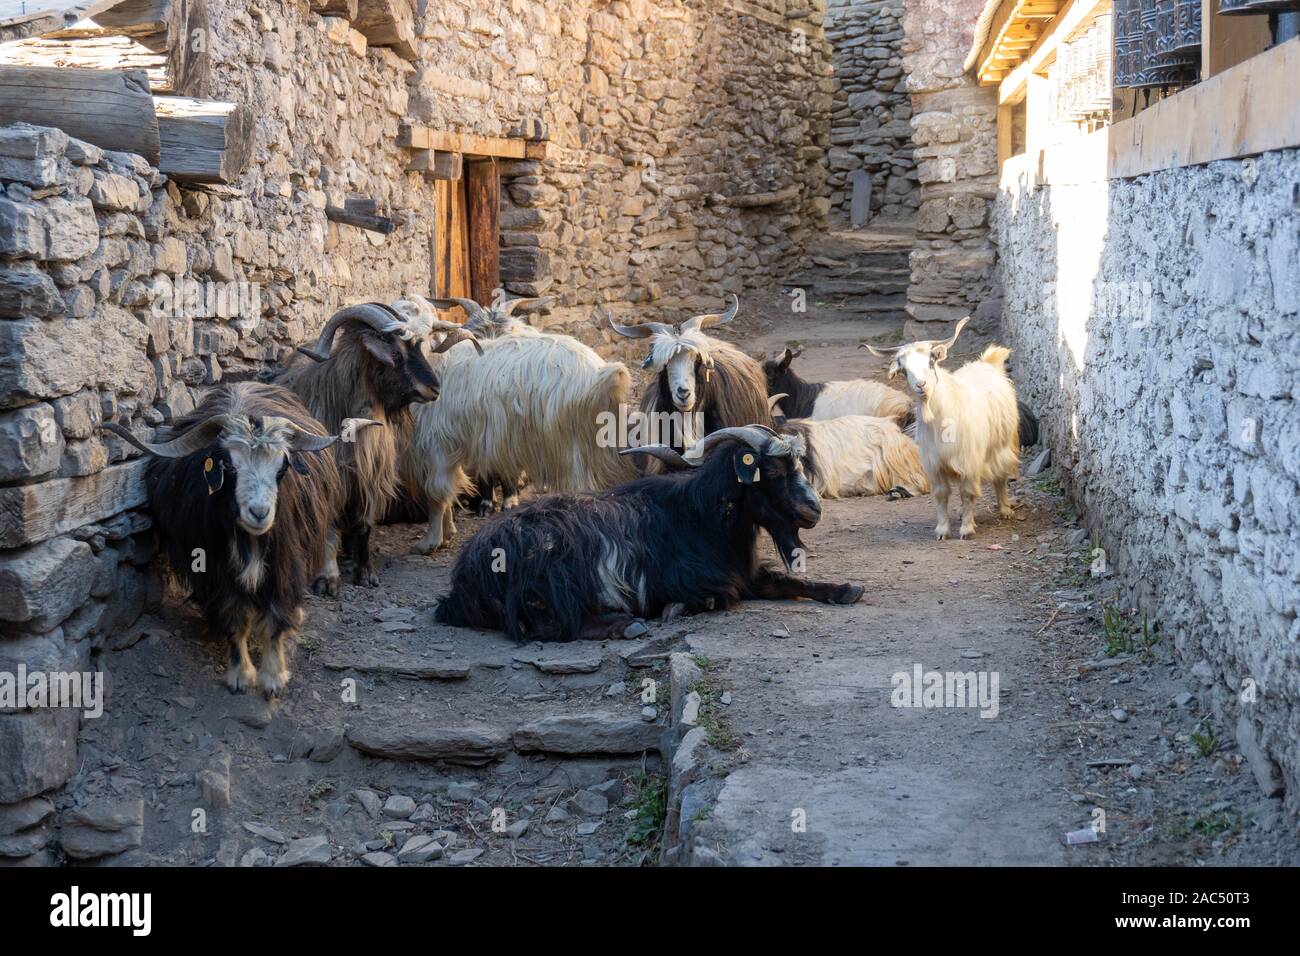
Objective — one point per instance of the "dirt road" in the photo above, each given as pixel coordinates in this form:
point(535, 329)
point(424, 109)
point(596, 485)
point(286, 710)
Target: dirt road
point(401, 742)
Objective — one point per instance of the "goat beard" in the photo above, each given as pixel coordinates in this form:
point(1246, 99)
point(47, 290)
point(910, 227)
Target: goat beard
point(787, 545)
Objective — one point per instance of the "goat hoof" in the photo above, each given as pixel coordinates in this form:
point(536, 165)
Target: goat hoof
point(366, 577)
point(636, 629)
point(240, 679)
point(940, 534)
point(325, 587)
point(486, 508)
point(271, 684)
point(849, 593)
point(672, 611)
point(967, 533)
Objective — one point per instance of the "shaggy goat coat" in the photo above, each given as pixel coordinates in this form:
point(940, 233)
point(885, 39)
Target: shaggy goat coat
point(823, 400)
point(984, 444)
point(267, 574)
point(730, 394)
point(859, 455)
point(531, 404)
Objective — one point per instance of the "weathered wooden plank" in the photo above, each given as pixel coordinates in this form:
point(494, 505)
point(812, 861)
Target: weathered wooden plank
point(435, 165)
point(450, 245)
point(362, 220)
point(93, 53)
point(20, 19)
point(203, 141)
point(114, 110)
point(483, 212)
point(471, 144)
point(32, 513)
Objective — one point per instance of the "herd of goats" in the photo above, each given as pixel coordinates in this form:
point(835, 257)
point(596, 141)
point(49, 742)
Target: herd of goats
point(395, 410)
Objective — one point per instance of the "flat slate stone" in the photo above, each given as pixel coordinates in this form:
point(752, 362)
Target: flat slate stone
point(472, 745)
point(588, 734)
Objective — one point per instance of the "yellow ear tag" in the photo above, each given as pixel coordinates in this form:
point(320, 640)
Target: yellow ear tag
point(207, 472)
point(748, 459)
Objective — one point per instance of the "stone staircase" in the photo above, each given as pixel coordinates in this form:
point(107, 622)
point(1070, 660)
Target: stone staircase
point(862, 273)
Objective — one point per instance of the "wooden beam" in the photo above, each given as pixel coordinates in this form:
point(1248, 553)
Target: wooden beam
point(436, 165)
point(203, 141)
point(355, 216)
point(20, 19)
point(1075, 15)
point(110, 109)
point(389, 23)
point(1004, 132)
point(471, 144)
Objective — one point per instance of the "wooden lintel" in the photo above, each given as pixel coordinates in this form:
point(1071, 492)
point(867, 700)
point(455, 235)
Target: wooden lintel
point(355, 216)
point(1073, 15)
point(470, 144)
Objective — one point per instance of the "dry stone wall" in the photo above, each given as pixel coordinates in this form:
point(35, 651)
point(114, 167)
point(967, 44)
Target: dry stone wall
point(1154, 322)
point(954, 129)
point(687, 158)
point(871, 152)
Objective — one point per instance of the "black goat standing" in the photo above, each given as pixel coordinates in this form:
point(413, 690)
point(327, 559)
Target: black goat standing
point(243, 491)
point(376, 370)
point(587, 566)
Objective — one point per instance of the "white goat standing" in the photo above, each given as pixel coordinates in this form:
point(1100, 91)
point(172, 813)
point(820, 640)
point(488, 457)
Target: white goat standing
point(967, 424)
point(530, 404)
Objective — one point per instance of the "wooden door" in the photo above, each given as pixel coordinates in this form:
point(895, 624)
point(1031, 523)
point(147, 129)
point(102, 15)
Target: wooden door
point(466, 242)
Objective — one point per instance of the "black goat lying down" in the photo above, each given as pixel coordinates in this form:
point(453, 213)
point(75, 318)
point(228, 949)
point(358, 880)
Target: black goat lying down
point(588, 565)
point(243, 492)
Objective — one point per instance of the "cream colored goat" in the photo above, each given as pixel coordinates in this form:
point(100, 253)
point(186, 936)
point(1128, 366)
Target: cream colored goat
point(967, 424)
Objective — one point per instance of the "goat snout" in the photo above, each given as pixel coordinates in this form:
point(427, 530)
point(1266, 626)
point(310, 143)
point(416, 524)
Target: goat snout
point(427, 393)
point(256, 519)
point(808, 509)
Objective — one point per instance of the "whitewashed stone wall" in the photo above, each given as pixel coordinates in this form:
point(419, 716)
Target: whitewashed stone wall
point(1156, 328)
point(871, 126)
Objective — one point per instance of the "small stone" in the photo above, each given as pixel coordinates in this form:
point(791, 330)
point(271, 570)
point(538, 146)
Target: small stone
point(379, 859)
point(518, 829)
point(255, 857)
point(270, 834)
point(556, 815)
point(616, 689)
point(399, 807)
point(461, 791)
point(447, 838)
point(1135, 771)
point(588, 828)
point(1039, 464)
point(214, 787)
point(461, 857)
point(725, 699)
point(590, 802)
point(369, 801)
point(1120, 714)
point(308, 851)
point(420, 849)
point(649, 713)
point(1183, 700)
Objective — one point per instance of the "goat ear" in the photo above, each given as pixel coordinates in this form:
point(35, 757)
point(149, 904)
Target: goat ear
point(379, 348)
point(214, 474)
point(893, 370)
point(786, 359)
point(747, 464)
point(938, 352)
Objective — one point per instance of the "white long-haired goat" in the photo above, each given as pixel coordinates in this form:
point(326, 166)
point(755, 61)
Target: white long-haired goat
point(822, 400)
point(967, 424)
point(530, 404)
point(856, 455)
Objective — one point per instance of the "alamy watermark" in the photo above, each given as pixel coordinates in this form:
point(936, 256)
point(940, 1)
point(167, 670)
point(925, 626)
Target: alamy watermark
point(32, 690)
point(951, 689)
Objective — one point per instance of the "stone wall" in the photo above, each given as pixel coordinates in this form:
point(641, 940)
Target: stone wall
point(687, 158)
point(954, 129)
point(871, 132)
point(1155, 327)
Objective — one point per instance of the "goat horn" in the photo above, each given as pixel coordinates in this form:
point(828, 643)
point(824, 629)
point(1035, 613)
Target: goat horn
point(710, 319)
point(662, 452)
point(195, 438)
point(642, 331)
point(472, 308)
point(955, 332)
point(457, 334)
point(508, 308)
point(378, 317)
point(883, 352)
point(774, 400)
point(756, 436)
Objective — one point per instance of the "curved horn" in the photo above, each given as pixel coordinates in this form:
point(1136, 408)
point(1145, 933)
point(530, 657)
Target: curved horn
point(472, 308)
point(642, 331)
point(662, 452)
point(774, 400)
point(507, 308)
point(710, 319)
point(193, 439)
point(457, 334)
point(955, 332)
point(756, 436)
point(379, 318)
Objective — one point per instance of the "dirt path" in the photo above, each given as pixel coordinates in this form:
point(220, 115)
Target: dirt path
point(403, 742)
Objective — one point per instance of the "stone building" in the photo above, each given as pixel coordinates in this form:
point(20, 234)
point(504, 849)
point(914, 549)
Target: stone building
point(643, 155)
point(1151, 269)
